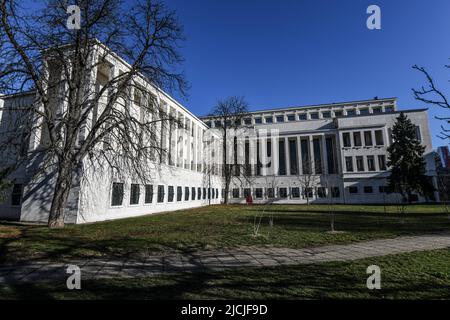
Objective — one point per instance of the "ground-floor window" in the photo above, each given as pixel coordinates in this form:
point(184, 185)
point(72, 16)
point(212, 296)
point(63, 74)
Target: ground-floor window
point(258, 193)
point(179, 193)
point(353, 189)
point(204, 193)
point(186, 193)
point(148, 193)
point(282, 192)
point(117, 194)
point(236, 193)
point(247, 192)
point(295, 192)
point(134, 194)
point(321, 192)
point(16, 196)
point(308, 193)
point(217, 193)
point(171, 193)
point(199, 193)
point(193, 193)
point(160, 193)
point(335, 192)
point(270, 193)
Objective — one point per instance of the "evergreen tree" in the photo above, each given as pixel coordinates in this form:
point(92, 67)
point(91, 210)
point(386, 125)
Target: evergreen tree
point(405, 157)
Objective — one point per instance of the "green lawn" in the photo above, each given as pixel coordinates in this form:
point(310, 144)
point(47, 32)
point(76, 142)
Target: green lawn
point(218, 226)
point(418, 275)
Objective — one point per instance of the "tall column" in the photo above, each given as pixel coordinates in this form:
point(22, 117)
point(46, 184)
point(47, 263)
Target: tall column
point(311, 155)
point(287, 156)
point(299, 155)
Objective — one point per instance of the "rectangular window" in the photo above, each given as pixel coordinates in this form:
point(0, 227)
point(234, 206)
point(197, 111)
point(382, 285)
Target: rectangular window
point(16, 195)
point(193, 193)
point(321, 192)
point(148, 193)
point(326, 114)
point(269, 119)
point(117, 194)
point(389, 109)
point(371, 163)
point(160, 193)
point(357, 139)
point(368, 138)
point(368, 189)
point(171, 194)
point(353, 189)
point(247, 192)
point(314, 115)
point(351, 112)
point(281, 158)
point(209, 193)
point(359, 163)
point(280, 118)
point(258, 120)
point(364, 111)
point(331, 159)
point(258, 193)
point(248, 121)
point(349, 164)
point(179, 193)
point(236, 193)
point(346, 139)
point(305, 156)
point(270, 193)
point(282, 192)
point(382, 162)
point(186, 193)
point(204, 193)
point(295, 192)
point(335, 192)
point(134, 194)
point(291, 117)
point(199, 193)
point(379, 137)
point(376, 110)
point(418, 136)
point(308, 192)
point(302, 116)
point(317, 144)
point(217, 193)
point(293, 160)
point(338, 113)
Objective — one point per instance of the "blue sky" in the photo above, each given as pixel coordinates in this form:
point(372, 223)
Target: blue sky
point(291, 52)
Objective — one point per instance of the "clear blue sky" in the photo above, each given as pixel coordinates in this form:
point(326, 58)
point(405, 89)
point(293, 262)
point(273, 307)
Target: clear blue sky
point(291, 52)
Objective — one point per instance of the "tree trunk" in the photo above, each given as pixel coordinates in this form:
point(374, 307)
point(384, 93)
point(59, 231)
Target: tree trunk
point(61, 194)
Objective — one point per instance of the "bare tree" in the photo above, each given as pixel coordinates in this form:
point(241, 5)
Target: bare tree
point(308, 179)
point(270, 197)
point(86, 111)
point(230, 116)
point(431, 94)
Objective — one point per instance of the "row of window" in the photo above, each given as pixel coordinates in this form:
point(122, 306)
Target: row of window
point(189, 193)
point(285, 192)
point(358, 138)
point(370, 161)
point(305, 116)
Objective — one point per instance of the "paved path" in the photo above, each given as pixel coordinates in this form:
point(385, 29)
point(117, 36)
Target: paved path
point(213, 260)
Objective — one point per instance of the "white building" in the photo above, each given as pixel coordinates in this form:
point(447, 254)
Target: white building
point(347, 142)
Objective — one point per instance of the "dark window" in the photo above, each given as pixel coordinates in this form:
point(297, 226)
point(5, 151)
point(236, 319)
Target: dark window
point(368, 189)
point(209, 193)
point(349, 164)
point(291, 117)
point(280, 118)
point(117, 194)
point(218, 124)
point(389, 109)
point(418, 136)
point(199, 193)
point(353, 189)
point(331, 163)
point(357, 139)
point(148, 193)
point(179, 193)
point(247, 192)
point(134, 194)
point(326, 114)
point(258, 193)
point(376, 110)
point(258, 120)
point(282, 192)
point(321, 192)
point(368, 138)
point(359, 163)
point(236, 193)
point(217, 193)
point(295, 192)
point(314, 115)
point(171, 194)
point(248, 121)
point(371, 163)
point(308, 192)
point(338, 113)
point(351, 112)
point(193, 193)
point(346, 139)
point(186, 193)
point(204, 193)
point(269, 119)
point(335, 192)
point(305, 156)
point(293, 157)
point(382, 162)
point(160, 193)
point(302, 116)
point(317, 144)
point(16, 195)
point(270, 193)
point(364, 111)
point(379, 137)
point(281, 158)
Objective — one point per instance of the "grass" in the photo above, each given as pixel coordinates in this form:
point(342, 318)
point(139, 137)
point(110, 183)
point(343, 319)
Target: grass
point(418, 275)
point(294, 226)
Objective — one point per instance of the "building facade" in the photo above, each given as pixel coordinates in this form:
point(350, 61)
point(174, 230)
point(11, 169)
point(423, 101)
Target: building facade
point(339, 148)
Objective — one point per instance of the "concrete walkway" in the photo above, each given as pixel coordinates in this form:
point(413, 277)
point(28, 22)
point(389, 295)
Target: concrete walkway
point(214, 260)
